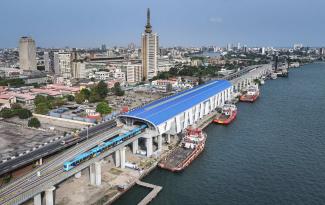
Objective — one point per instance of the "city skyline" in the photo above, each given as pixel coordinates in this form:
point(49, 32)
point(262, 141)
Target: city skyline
point(190, 23)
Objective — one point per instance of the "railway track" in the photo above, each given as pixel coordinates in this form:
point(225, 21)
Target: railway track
point(50, 169)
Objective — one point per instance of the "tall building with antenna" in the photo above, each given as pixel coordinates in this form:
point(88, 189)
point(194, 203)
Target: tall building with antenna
point(150, 49)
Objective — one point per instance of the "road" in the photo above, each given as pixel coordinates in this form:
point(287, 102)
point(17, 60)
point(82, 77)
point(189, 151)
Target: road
point(52, 148)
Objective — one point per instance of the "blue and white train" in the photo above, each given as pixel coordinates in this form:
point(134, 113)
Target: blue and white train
point(68, 165)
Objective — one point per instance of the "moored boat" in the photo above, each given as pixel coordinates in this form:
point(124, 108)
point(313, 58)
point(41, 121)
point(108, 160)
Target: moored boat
point(283, 73)
point(229, 113)
point(182, 156)
point(274, 76)
point(251, 95)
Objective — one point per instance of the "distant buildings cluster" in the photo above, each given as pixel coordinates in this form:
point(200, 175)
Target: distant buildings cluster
point(129, 66)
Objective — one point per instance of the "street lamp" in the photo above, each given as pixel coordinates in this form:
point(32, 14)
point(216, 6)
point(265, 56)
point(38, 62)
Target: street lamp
point(87, 132)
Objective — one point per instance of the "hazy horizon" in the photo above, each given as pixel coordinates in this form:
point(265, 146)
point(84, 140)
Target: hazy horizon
point(84, 23)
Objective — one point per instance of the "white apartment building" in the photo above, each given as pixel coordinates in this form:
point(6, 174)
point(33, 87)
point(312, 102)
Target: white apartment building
point(62, 64)
point(134, 73)
point(102, 75)
point(119, 75)
point(78, 70)
point(47, 62)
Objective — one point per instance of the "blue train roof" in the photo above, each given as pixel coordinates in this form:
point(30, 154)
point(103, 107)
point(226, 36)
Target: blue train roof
point(163, 109)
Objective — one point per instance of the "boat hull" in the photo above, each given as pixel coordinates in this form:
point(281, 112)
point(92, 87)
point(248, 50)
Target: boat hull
point(251, 98)
point(186, 162)
point(228, 120)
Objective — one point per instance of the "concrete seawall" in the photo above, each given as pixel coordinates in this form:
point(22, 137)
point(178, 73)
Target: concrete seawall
point(61, 122)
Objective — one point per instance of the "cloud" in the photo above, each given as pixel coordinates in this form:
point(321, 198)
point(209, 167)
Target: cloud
point(215, 20)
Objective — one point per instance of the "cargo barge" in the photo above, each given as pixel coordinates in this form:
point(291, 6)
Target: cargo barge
point(188, 150)
point(229, 113)
point(251, 95)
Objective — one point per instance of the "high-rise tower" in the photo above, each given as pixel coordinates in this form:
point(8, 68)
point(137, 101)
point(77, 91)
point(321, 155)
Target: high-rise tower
point(150, 49)
point(27, 53)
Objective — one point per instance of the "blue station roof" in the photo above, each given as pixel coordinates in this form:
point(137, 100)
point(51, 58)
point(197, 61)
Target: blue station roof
point(163, 109)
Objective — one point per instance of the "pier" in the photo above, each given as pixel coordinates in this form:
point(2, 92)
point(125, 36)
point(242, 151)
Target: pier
point(155, 190)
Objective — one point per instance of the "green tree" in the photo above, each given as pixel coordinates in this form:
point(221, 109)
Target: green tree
point(94, 96)
point(7, 113)
point(70, 98)
point(117, 89)
point(200, 81)
point(86, 93)
point(42, 108)
point(24, 113)
point(34, 122)
point(103, 108)
point(57, 102)
point(173, 71)
point(102, 89)
point(80, 98)
point(40, 99)
point(15, 106)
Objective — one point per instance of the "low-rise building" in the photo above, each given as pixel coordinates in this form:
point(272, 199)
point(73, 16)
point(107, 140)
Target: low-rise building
point(6, 101)
point(118, 74)
point(11, 72)
point(102, 75)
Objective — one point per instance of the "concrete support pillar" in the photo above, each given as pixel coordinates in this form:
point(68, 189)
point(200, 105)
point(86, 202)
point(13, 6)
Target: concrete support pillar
point(159, 142)
point(149, 146)
point(38, 199)
point(77, 175)
point(40, 161)
point(95, 174)
point(92, 174)
point(98, 175)
point(135, 146)
point(49, 196)
point(168, 138)
point(117, 158)
point(122, 154)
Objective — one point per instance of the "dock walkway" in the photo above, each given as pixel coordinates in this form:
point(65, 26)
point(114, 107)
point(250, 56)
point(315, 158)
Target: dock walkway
point(155, 190)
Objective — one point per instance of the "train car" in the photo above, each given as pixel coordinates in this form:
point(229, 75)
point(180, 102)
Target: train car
point(68, 165)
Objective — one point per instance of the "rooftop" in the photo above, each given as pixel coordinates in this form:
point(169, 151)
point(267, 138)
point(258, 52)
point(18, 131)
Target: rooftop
point(163, 109)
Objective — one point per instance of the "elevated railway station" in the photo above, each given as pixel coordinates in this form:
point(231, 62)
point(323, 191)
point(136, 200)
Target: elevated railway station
point(153, 123)
point(171, 115)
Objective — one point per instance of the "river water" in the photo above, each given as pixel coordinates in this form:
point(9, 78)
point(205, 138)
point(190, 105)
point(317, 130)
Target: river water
point(273, 153)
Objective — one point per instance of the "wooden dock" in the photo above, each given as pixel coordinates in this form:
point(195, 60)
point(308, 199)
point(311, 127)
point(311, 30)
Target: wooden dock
point(155, 190)
point(207, 120)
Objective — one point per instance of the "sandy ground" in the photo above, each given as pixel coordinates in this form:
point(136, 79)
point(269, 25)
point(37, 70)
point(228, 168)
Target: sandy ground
point(15, 139)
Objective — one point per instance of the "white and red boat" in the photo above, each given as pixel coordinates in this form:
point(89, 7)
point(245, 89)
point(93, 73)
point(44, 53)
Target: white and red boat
point(182, 156)
point(229, 113)
point(251, 95)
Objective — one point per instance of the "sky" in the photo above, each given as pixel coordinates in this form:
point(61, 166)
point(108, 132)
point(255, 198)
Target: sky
point(90, 23)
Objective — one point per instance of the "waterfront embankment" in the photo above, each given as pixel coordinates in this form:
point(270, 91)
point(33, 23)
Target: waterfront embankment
point(273, 153)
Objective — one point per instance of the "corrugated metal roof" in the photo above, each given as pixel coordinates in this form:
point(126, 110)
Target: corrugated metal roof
point(163, 109)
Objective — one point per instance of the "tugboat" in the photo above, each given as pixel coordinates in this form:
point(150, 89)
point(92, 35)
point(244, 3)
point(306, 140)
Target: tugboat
point(251, 95)
point(229, 113)
point(189, 148)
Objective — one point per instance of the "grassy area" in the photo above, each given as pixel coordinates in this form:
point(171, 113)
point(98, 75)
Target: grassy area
point(115, 171)
point(147, 163)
